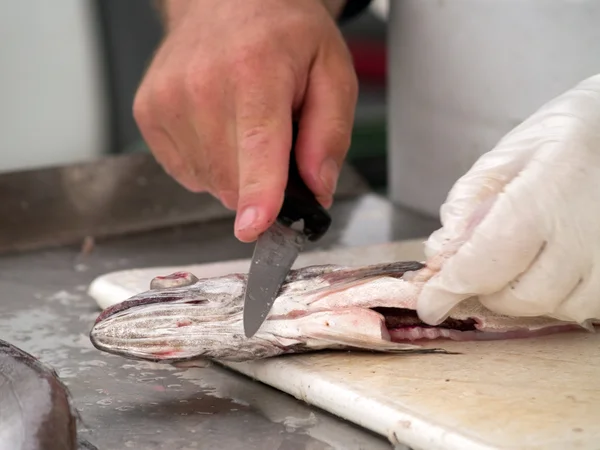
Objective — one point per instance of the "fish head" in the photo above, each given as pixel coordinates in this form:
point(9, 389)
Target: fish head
point(181, 318)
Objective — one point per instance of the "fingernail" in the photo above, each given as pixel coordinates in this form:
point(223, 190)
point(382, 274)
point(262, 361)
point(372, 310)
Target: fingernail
point(329, 175)
point(246, 218)
point(325, 202)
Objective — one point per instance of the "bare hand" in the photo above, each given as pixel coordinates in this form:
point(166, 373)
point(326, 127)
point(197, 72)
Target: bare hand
point(217, 102)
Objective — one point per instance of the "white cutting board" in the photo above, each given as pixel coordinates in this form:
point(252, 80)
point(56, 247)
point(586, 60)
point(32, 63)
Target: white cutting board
point(541, 393)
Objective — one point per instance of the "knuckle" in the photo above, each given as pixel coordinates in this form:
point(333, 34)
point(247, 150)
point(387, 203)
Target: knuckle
point(254, 141)
point(295, 25)
point(159, 142)
point(348, 84)
point(222, 177)
point(195, 186)
point(259, 183)
point(141, 108)
point(166, 92)
point(191, 184)
point(185, 174)
point(253, 55)
point(174, 167)
point(253, 185)
point(253, 192)
point(228, 197)
point(189, 181)
point(199, 83)
point(340, 133)
point(244, 65)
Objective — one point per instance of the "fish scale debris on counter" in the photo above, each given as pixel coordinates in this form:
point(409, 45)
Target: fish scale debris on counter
point(182, 319)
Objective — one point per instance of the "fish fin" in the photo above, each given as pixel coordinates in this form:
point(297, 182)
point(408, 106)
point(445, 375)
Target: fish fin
point(342, 278)
point(395, 269)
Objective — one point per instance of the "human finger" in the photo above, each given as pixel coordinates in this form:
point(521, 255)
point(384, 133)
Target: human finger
point(504, 244)
point(264, 132)
point(325, 127)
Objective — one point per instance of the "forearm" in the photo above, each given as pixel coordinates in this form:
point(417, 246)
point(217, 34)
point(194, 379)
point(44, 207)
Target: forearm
point(335, 7)
point(171, 10)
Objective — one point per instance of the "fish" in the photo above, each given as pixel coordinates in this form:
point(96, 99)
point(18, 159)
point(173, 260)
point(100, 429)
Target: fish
point(184, 320)
point(36, 410)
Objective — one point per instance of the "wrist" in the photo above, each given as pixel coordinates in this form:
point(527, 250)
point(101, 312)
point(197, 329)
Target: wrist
point(172, 10)
point(334, 7)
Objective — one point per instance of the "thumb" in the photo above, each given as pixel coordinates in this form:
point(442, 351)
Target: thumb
point(325, 126)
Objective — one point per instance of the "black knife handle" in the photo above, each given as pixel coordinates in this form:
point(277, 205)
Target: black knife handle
point(300, 203)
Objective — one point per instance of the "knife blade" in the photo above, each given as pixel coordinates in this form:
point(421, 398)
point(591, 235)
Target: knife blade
point(301, 219)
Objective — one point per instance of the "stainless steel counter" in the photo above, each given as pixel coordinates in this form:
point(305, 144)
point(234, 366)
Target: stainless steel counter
point(125, 404)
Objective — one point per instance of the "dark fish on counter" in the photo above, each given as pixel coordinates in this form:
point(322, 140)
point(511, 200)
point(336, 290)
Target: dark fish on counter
point(35, 406)
point(183, 319)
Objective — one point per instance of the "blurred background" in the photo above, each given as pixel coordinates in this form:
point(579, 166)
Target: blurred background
point(70, 69)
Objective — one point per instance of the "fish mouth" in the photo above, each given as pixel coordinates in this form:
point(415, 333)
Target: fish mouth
point(141, 300)
point(164, 348)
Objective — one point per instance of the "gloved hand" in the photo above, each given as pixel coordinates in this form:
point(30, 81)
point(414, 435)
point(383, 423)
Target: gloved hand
point(521, 229)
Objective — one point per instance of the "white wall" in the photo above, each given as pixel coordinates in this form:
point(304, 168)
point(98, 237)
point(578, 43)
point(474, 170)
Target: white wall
point(464, 73)
point(52, 99)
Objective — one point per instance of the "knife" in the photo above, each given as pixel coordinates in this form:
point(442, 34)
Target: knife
point(301, 219)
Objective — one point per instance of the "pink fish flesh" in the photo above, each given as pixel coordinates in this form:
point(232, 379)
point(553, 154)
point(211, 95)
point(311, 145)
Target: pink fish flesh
point(183, 318)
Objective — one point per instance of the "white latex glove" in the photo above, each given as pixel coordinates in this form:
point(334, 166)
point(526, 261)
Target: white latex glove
point(521, 230)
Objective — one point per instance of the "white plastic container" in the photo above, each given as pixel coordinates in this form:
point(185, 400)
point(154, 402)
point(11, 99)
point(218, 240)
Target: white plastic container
point(52, 99)
point(465, 72)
